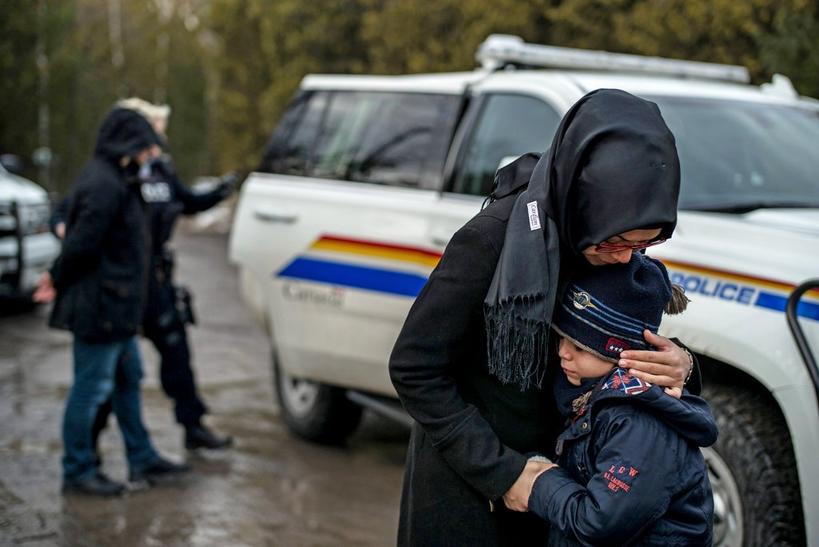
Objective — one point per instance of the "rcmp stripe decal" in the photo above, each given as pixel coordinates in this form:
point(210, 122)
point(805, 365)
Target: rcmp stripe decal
point(764, 281)
point(778, 303)
point(388, 280)
point(402, 253)
point(358, 277)
point(743, 289)
point(711, 282)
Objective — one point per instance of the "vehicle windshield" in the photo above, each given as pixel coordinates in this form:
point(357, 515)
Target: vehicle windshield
point(737, 156)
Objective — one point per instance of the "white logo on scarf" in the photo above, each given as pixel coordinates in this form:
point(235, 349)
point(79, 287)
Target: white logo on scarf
point(534, 216)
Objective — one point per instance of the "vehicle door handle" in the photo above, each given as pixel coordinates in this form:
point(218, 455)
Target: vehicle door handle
point(272, 215)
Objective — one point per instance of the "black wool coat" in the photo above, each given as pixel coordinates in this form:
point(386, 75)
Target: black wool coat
point(472, 433)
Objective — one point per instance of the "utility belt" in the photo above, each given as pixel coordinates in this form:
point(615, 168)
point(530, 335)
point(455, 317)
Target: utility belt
point(163, 265)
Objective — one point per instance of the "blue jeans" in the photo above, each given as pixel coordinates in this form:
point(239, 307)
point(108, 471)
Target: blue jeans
point(95, 366)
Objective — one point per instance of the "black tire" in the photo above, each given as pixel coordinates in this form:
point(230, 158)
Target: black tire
point(324, 416)
point(754, 457)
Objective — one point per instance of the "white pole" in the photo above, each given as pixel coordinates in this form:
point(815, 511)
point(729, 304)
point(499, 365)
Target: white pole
point(115, 37)
point(166, 9)
point(42, 156)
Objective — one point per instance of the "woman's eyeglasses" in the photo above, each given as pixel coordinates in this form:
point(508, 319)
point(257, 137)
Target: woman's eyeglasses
point(607, 247)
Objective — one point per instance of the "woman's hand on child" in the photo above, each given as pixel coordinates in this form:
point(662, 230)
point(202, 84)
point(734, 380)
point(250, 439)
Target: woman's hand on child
point(667, 367)
point(675, 392)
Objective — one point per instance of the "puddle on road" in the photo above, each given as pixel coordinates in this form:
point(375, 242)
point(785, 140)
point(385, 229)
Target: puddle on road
point(270, 489)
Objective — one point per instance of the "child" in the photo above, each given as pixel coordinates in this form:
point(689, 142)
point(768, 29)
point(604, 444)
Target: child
point(630, 469)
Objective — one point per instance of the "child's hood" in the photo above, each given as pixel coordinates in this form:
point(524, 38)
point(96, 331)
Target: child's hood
point(690, 416)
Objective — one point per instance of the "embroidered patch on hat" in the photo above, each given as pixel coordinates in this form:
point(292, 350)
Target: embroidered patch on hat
point(582, 300)
point(615, 345)
point(621, 380)
point(620, 477)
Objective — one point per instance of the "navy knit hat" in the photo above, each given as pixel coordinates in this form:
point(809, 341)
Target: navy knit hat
point(606, 308)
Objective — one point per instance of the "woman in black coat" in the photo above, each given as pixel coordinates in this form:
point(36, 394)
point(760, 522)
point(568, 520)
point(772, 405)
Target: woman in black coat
point(473, 364)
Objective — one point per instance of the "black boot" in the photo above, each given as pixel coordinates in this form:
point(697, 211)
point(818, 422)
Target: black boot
point(96, 485)
point(199, 436)
point(157, 470)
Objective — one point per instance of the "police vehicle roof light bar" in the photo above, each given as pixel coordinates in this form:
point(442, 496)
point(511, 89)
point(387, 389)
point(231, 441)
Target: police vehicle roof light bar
point(499, 50)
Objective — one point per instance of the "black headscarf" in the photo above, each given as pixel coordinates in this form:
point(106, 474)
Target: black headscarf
point(612, 168)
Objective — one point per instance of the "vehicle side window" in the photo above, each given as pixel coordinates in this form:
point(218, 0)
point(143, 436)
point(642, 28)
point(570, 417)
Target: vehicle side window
point(289, 149)
point(398, 139)
point(508, 126)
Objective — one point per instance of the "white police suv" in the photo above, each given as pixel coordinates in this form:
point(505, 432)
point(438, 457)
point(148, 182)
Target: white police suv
point(367, 177)
point(27, 248)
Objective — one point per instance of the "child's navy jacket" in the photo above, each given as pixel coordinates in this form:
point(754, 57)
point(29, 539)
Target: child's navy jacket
point(631, 471)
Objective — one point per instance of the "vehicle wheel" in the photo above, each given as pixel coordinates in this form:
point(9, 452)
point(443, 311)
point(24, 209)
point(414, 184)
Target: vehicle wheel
point(314, 411)
point(752, 472)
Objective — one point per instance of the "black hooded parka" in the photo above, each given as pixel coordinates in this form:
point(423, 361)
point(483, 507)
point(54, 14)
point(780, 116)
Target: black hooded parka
point(473, 431)
point(100, 273)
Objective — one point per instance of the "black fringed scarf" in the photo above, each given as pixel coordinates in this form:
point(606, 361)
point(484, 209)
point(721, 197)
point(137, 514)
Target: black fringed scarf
point(612, 168)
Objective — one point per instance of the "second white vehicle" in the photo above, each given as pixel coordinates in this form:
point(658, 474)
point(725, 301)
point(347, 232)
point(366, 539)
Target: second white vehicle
point(27, 248)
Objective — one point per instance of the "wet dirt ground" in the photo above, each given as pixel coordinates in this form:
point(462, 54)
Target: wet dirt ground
point(269, 489)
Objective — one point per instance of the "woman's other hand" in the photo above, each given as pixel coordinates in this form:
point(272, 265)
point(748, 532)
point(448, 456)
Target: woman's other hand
point(517, 498)
point(667, 367)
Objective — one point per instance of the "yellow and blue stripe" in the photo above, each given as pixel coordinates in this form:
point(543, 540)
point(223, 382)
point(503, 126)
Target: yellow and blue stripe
point(743, 289)
point(389, 280)
point(403, 270)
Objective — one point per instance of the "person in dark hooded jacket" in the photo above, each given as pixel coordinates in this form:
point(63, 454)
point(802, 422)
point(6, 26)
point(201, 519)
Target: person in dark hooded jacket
point(630, 467)
point(100, 282)
point(470, 363)
point(168, 307)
